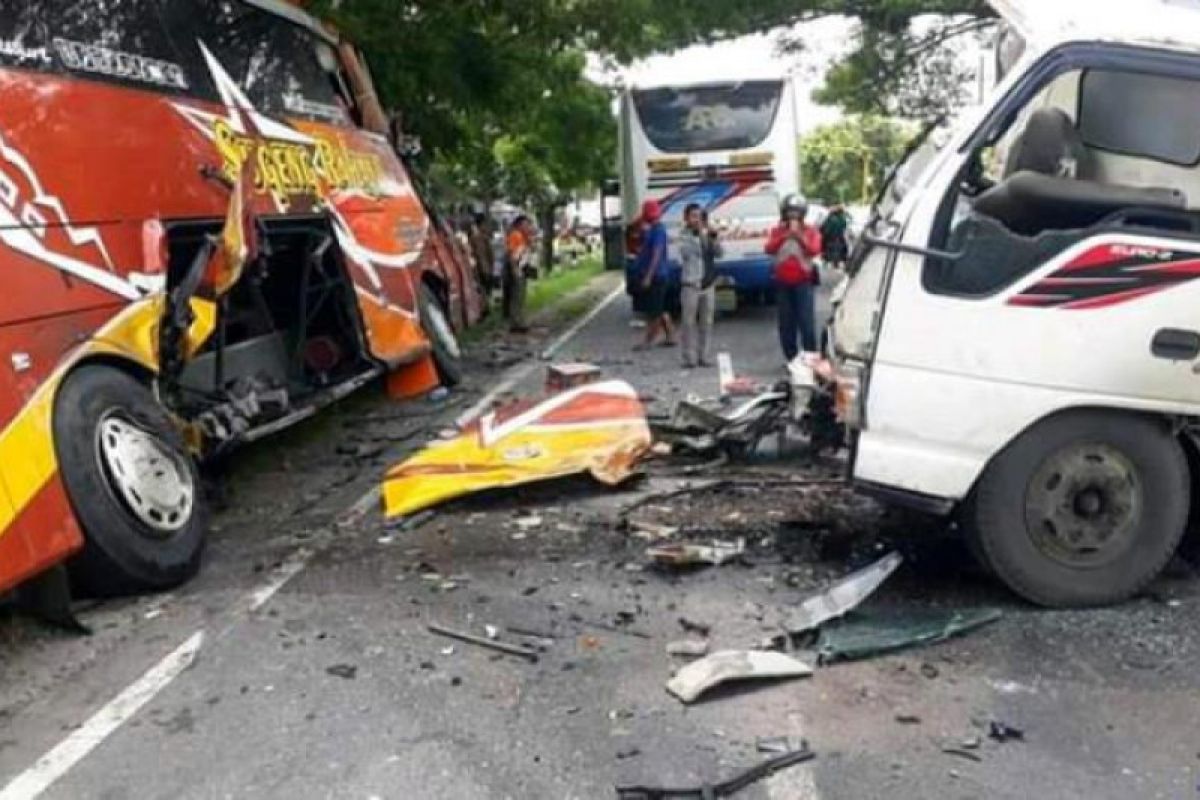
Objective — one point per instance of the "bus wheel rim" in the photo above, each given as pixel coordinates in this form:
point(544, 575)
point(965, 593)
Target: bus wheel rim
point(150, 478)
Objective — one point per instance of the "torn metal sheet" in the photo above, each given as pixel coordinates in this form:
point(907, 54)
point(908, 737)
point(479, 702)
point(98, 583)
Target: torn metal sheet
point(682, 554)
point(867, 636)
point(698, 677)
point(599, 429)
point(841, 598)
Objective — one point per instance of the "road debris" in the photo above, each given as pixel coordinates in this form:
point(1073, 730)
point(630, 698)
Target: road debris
point(867, 636)
point(778, 744)
point(560, 377)
point(698, 677)
point(694, 626)
point(688, 647)
point(414, 521)
point(599, 429)
point(650, 531)
point(961, 752)
point(726, 788)
point(1003, 732)
point(839, 599)
point(715, 553)
point(482, 641)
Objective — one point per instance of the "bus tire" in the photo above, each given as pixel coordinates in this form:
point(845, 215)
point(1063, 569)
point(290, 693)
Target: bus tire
point(1083, 509)
point(447, 352)
point(132, 485)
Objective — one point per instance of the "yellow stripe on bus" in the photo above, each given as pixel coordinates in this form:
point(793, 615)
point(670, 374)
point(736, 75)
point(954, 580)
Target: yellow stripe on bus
point(27, 453)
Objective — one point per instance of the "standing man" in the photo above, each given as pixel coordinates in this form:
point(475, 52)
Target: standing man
point(699, 249)
point(518, 257)
point(794, 245)
point(651, 272)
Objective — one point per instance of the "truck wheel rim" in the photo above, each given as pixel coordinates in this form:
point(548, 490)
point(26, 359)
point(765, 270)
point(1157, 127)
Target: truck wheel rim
point(151, 479)
point(1083, 505)
point(441, 330)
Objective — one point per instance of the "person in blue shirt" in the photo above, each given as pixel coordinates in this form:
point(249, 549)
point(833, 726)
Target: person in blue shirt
point(652, 277)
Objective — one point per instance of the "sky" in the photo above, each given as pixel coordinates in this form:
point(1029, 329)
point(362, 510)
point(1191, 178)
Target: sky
point(747, 58)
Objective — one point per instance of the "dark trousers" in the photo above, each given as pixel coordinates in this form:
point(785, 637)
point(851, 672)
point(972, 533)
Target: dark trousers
point(797, 318)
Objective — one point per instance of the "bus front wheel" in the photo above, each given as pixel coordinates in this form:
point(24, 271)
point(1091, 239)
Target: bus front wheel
point(134, 489)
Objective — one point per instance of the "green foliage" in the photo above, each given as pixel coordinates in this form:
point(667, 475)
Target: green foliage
point(844, 161)
point(495, 88)
point(902, 73)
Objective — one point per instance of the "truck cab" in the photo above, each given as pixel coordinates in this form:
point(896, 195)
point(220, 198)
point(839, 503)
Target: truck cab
point(1019, 344)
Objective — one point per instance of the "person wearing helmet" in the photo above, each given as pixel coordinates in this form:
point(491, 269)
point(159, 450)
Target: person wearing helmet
point(793, 245)
point(652, 277)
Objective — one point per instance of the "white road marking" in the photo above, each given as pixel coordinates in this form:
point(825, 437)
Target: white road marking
point(573, 331)
point(288, 569)
point(56, 763)
point(518, 374)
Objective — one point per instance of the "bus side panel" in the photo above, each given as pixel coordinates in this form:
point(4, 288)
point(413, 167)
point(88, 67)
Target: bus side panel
point(37, 525)
point(39, 536)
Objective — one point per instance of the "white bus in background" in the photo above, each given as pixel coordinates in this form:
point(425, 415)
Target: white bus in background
point(731, 147)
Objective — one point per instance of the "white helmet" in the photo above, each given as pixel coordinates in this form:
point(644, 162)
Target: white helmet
point(794, 202)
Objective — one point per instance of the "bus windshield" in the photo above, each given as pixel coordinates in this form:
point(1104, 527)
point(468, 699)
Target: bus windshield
point(689, 119)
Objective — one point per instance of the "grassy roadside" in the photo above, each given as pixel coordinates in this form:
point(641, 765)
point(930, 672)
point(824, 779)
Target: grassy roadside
point(543, 294)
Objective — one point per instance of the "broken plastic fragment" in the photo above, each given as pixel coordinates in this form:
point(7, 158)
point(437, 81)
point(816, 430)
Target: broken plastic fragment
point(698, 677)
point(842, 597)
point(599, 429)
point(868, 636)
point(687, 647)
point(679, 555)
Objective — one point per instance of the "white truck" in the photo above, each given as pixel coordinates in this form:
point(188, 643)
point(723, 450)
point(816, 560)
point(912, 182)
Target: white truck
point(1019, 344)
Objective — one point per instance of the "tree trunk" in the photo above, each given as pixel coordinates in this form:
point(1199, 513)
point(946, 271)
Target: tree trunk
point(545, 215)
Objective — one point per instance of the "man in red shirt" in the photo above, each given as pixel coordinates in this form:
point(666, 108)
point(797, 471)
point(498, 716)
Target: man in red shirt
point(794, 246)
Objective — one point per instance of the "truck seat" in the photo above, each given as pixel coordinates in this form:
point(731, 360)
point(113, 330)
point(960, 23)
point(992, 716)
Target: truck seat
point(1047, 184)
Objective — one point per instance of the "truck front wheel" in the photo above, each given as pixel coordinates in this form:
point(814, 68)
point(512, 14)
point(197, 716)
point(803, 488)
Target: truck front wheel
point(1082, 509)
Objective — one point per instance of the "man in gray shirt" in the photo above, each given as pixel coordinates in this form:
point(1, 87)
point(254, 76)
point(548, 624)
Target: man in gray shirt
point(699, 248)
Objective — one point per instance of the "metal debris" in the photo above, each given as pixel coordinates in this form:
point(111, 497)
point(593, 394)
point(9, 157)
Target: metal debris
point(698, 677)
point(839, 599)
point(481, 641)
point(726, 788)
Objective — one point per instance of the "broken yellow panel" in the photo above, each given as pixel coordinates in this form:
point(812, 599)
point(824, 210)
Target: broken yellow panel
point(598, 428)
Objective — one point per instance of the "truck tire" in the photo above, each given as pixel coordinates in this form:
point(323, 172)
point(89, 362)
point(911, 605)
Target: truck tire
point(447, 353)
point(1083, 509)
point(134, 489)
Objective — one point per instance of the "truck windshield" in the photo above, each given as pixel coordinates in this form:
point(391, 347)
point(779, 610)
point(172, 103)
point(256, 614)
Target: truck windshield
point(728, 116)
point(901, 178)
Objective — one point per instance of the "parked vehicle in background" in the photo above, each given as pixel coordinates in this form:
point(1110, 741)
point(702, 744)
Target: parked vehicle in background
point(1019, 343)
point(205, 236)
point(730, 147)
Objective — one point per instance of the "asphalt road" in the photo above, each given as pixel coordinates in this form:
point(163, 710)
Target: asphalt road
point(298, 665)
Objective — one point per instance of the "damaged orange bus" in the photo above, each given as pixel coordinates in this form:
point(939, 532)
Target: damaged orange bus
point(205, 236)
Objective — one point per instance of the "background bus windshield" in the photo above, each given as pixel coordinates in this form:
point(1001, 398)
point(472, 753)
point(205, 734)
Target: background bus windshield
point(732, 116)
